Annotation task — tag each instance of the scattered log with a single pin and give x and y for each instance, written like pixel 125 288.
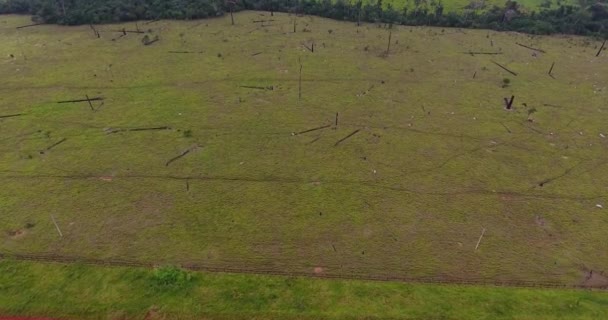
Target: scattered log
pixel 151 41
pixel 259 88
pixel 601 48
pixel 478 52
pixel 185 52
pixel 348 136
pixel 336 119
pixel 152 21
pixel 30 25
pixel 82 100
pixel 527 47
pixel 474 74
pixel 551 105
pixel 124 31
pixel 53 145
pixel 178 157
pixel 138 129
pixel 311 130
pixel 262 21
pixel 314 140
pixel 503 67
pixel 506 128
pixel 255 54
pixel 11 115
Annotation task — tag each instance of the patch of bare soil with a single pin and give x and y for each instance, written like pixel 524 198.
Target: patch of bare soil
pixel 16 234
pixel 540 221
pixel 594 279
pixel 153 314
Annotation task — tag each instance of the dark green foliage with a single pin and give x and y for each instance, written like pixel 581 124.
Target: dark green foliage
pixel 171 278
pixel 589 18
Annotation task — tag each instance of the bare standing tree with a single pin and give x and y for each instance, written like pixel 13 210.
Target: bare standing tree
pixel 63 7
pixel 231 4
pixel 388 48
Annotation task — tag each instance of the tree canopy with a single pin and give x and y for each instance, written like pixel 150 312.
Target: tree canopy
pixel 590 17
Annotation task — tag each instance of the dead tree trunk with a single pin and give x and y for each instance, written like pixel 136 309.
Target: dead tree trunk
pixel 551 69
pixel 509 102
pixel 300 81
pixel 294 25
pixel 95 32
pixel 388 48
pixel 601 48
pixel 231 15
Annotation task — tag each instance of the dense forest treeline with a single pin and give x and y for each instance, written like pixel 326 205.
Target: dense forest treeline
pixel 590 17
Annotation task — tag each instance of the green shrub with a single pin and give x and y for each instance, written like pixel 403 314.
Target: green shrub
pixel 171 278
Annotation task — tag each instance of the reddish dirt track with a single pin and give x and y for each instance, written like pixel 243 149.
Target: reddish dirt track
pixel 24 318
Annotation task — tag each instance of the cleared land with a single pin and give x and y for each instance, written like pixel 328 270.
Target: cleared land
pixel 435 159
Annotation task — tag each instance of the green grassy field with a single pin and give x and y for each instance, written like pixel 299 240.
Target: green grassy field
pixel 81 292
pixel 436 159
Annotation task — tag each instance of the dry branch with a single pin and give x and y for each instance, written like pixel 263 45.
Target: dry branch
pixel 487 53
pixel 148 22
pixel 82 100
pixel 53 145
pixel 601 48
pixel 179 156
pixel 259 88
pixel 139 129
pixel 11 115
pixel 123 31
pixel 30 25
pixel 185 52
pixel 348 136
pixel 504 68
pixel 313 129
pixel 525 46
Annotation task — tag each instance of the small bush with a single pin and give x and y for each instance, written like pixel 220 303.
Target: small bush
pixel 170 278
pixel 506 82
pixel 188 133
